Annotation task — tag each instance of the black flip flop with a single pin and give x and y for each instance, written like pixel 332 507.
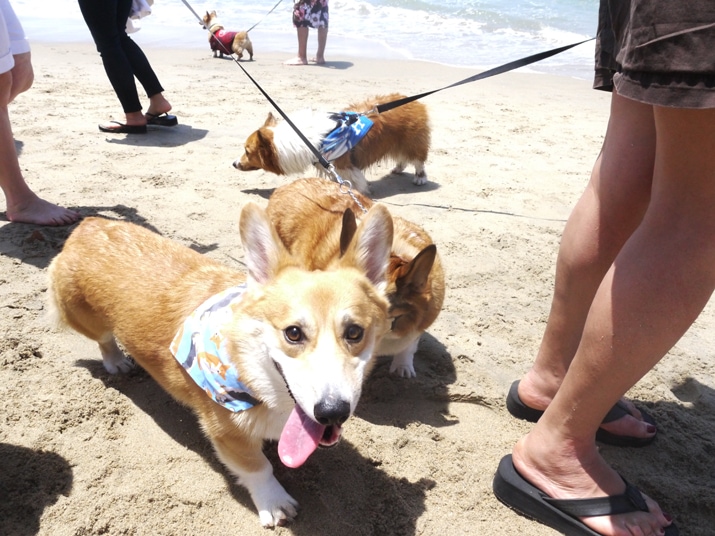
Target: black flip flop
pixel 162 120
pixel 123 128
pixel 521 411
pixel 562 514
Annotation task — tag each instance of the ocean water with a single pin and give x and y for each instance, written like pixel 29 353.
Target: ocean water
pixel 479 34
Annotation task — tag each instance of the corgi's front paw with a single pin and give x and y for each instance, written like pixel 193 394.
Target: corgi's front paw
pixel 403 366
pixel 275 506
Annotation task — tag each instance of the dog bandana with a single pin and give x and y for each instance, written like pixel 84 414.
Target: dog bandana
pixel 222 37
pixel 200 347
pixel 351 128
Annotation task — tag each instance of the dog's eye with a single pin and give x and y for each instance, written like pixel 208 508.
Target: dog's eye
pixel 293 334
pixel 354 333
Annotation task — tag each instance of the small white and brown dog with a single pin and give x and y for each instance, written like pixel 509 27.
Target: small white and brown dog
pixel 310 218
pixel 223 42
pixel 279 354
pixel 401 134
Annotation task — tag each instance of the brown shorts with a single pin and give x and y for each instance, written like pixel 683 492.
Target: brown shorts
pixel 659 52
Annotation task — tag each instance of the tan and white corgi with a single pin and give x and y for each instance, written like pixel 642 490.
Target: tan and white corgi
pixel 309 216
pixel 222 41
pixel 401 135
pixel 278 354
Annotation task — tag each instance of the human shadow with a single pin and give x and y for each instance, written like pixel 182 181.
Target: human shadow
pixel 157 136
pixel 677 469
pixel 30 480
pixel 37 245
pixel 337 480
pixel 337 65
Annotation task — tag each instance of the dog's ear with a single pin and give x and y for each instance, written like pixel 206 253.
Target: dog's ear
pixel 263 249
pixel 270 120
pixel 369 251
pixel 348 230
pixel 416 272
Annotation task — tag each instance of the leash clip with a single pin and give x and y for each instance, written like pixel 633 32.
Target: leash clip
pixel 346 187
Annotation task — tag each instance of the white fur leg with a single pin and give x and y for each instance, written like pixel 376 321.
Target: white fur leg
pixel 403 362
pixel 275 506
pixel 399 168
pixel 420 175
pixel 356 178
pixel 113 358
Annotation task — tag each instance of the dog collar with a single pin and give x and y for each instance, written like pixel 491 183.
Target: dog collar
pixel 200 347
pixel 351 128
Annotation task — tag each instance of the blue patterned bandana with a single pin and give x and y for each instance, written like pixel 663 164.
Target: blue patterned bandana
pixel 200 347
pixel 351 128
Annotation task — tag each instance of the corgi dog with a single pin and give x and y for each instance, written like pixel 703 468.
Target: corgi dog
pixel 280 353
pixel 223 42
pixel 315 220
pixel 401 134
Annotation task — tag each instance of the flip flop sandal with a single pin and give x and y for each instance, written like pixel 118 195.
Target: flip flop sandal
pixel 122 128
pixel 521 411
pixel 162 120
pixel 562 514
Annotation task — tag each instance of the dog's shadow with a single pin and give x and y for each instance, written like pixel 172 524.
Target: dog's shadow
pixel 30 480
pixel 393 401
pixel 336 488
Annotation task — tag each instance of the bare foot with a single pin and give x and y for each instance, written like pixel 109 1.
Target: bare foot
pixel 318 61
pixel 41 212
pixel 296 61
pixel 563 469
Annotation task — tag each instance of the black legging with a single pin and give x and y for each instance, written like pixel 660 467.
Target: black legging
pixel 122 57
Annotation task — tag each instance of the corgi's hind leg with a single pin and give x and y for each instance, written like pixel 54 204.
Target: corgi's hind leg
pixel 399 168
pixel 247 462
pixel 420 174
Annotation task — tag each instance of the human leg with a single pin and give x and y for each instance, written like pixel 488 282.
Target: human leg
pixel 607 213
pixel 102 21
pixel 302 58
pixel 16 75
pixel 322 40
pixel 656 287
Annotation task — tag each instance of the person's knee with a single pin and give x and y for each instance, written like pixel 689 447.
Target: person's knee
pixel 23 75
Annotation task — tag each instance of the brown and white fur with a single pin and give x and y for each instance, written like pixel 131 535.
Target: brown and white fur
pixel 302 341
pixel 240 42
pixel 401 135
pixel 308 215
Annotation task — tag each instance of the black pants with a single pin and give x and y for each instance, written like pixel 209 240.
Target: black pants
pixel 122 57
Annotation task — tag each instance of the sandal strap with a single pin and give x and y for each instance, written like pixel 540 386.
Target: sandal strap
pixel 618 411
pixel 630 501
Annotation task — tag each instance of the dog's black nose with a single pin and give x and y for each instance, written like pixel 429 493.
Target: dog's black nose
pixel 330 411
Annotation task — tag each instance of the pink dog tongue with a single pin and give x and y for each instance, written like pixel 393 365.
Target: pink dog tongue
pixel 300 437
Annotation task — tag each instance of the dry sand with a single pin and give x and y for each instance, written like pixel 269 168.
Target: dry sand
pixel 83 452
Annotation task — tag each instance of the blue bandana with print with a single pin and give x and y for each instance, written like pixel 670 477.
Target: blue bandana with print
pixel 351 128
pixel 200 347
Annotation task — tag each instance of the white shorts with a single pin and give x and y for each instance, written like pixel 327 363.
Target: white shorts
pixel 12 37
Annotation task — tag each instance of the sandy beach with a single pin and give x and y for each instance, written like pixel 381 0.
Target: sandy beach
pixel 85 453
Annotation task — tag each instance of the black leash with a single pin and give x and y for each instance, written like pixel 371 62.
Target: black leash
pixel 486 74
pixel 381 108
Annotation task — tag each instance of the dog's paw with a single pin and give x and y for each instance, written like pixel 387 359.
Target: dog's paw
pixel 123 365
pixel 403 367
pixel 399 168
pixel 420 179
pixel 275 506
